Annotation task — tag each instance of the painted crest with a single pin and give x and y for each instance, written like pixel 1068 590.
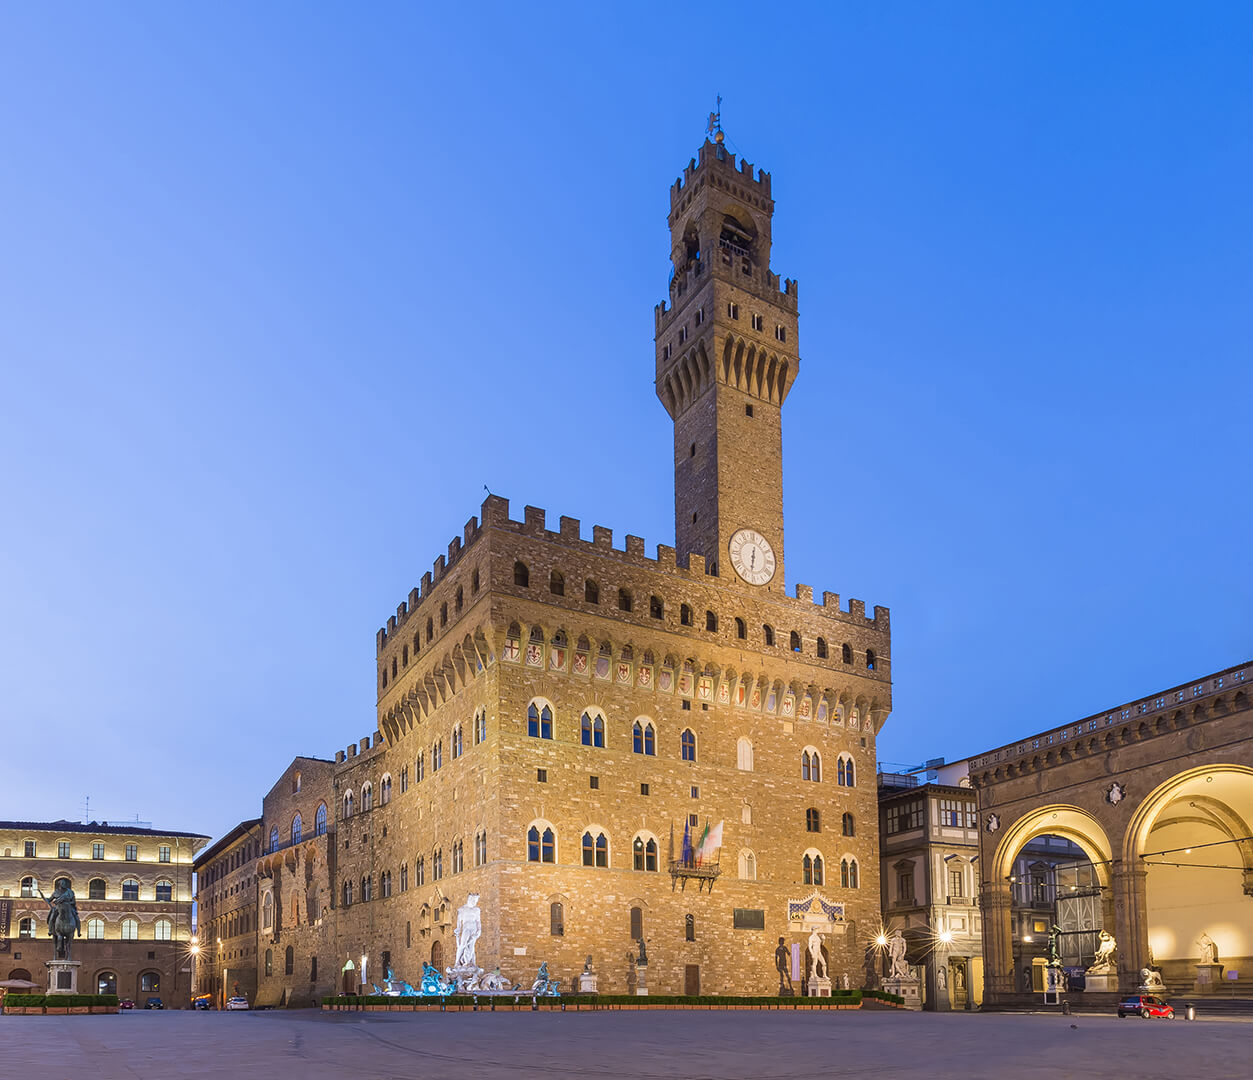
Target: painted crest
pixel 993 822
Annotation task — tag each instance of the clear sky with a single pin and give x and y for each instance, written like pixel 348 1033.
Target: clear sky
pixel 283 286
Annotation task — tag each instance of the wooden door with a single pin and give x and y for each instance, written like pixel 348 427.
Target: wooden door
pixel 691 980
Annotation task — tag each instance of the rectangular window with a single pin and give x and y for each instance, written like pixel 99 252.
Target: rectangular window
pixel 132 852
pixel 541 775
pixel 97 851
pixel 163 853
pixel 165 891
pixel 905 885
pixel 682 334
pixel 780 332
pixel 955 886
pixel 733 310
pixel 643 789
pixel 749 919
pixel 63 849
pixel 957 814
pixel 700 316
pixel 594 782
pixel 758 322
pixel 693 820
pixel 30 849
pixel 695 792
pixel 901 817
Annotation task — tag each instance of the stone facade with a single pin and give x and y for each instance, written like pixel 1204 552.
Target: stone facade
pixel 226 912
pixel 554 712
pixel 1158 793
pixel 133 888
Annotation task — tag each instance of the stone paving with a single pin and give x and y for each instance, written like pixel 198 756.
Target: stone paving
pixel 311 1045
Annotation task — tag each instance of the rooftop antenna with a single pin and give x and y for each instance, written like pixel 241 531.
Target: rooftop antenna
pixel 714 127
pixel 86 809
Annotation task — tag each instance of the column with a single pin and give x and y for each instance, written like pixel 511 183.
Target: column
pixel 995 901
pixel 1131 921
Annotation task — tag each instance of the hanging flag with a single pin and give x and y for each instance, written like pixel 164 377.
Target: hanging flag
pixel 686 857
pixel 713 842
pixel 700 848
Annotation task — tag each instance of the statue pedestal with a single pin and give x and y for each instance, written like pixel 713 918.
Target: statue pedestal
pixel 463 976
pixel 587 982
pixel 641 980
pixel 1101 982
pixel 906 988
pixel 62 976
pixel 819 987
pixel 1208 978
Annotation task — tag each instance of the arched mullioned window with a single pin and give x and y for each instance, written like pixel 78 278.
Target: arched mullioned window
pixel 347 804
pixel 557 583
pixel 811 765
pixel 274 838
pixel 295 829
pixel 644 852
pixel 95 889
pixel 521 575
pixel 556 919
pixel 319 820
pixel 848 826
pixel 822 648
pixel 592 729
pixel 747 865
pixel 367 796
pixel 643 738
pixel 846 653
pixel 267 912
pixel 687 743
pixel 541 843
pixel 811 869
pixel 591 591
pixel 595 848
pixel 767 633
pixel 385 789
pixel 539 720
pixel 848 873
pixel 844 773
pixel 744 753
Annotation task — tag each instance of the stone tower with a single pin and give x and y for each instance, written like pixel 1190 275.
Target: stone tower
pixel 726 358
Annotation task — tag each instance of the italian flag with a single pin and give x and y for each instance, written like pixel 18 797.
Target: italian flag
pixel 710 843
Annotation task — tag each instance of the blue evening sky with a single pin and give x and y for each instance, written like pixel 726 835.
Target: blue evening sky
pixel 284 285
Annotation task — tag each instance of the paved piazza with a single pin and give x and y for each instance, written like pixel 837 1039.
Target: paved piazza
pixel 311 1045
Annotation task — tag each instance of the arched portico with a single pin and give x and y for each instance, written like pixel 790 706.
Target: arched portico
pixel 1191 842
pixel 1071 822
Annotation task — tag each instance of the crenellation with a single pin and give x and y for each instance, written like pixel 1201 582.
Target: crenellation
pixel 427 584
pixel 535 520
pixel 569 528
pixel 415 598
pixel 635 546
pixel 602 537
pixel 805 593
pixel 454 549
pixel 831 600
pixel 339 756
pixel 665 557
pixel 882 618
pixel 857 608
pixel 438 571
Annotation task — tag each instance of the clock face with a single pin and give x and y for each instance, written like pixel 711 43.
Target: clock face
pixel 752 556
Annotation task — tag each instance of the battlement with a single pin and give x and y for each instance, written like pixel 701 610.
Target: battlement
pixel 782 292
pixel 457 547
pixel 362 748
pixel 717 156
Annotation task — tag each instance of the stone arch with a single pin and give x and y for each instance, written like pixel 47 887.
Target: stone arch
pixel 1071 822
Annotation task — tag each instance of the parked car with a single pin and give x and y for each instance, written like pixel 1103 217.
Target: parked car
pixel 237 1003
pixel 1146 1005
pixel 126 1003
pixel 154 1003
pixel 202 1001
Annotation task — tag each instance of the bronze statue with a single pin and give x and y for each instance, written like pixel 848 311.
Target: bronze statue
pixel 782 961
pixel 63 922
pixel 643 956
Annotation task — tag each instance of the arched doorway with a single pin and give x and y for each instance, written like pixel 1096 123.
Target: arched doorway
pixel 20 973
pixel 106 982
pixel 437 955
pixel 1190 843
pixel 1052 867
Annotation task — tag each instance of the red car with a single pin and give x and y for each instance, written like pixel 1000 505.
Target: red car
pixel 1146 1005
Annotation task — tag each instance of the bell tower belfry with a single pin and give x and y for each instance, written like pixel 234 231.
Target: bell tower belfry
pixel 726 359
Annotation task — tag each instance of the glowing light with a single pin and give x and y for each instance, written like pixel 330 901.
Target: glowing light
pixel 1027 938
pixel 946 937
pixel 881 939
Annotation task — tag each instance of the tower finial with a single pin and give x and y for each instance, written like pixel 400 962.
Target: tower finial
pixel 714 127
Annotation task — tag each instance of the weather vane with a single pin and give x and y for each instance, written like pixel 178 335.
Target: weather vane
pixel 714 127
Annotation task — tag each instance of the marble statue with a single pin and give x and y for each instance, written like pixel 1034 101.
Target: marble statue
pixel 1151 980
pixel 587 965
pixel 844 980
pixel 496 982
pixel 941 976
pixel 63 921
pixel 783 962
pixel 1208 950
pixel 1103 962
pixel 469 929
pixel 896 953
pixel 433 982
pixel 818 968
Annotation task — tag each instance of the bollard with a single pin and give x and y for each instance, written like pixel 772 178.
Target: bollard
pixel 1191 1011
pixel 1065 1008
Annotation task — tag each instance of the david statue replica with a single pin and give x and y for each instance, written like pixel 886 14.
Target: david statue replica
pixel 63 922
